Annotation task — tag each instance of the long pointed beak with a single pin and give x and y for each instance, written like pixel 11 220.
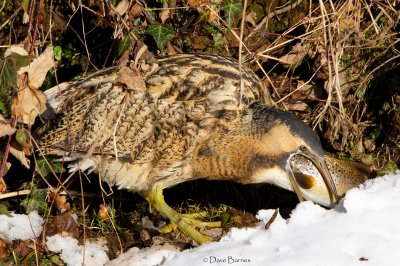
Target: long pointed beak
pixel 292 180
pixel 323 169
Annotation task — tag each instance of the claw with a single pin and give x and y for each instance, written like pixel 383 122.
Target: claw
pixel 186 224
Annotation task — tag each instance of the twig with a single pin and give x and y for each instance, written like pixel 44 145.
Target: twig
pixel 240 51
pixel 84 36
pixel 301 86
pixel 11 18
pixel 36 29
pixel 4 4
pixel 15 194
pixel 273 14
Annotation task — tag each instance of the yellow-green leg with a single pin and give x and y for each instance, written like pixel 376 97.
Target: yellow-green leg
pixel 156 199
pixel 191 219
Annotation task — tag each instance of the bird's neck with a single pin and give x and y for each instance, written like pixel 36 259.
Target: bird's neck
pixel 227 158
pixel 236 157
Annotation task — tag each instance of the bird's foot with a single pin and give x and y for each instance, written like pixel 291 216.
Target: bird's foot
pixel 191 219
pixel 185 224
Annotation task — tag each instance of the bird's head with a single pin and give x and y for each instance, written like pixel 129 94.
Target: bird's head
pixel 282 136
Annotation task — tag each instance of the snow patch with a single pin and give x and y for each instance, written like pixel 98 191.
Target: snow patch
pixel 74 254
pixel 20 226
pixel 362 230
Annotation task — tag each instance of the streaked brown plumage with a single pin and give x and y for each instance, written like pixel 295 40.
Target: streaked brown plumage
pixel 191 121
pixel 156 129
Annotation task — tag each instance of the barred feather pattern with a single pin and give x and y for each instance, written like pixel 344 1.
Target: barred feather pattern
pixel 138 138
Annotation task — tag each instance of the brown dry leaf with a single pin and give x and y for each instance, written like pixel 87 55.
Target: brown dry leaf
pixel 144 235
pixel 170 49
pixel 64 224
pixel 38 68
pixel 29 101
pixel 252 18
pixel 122 7
pixel 15 49
pixel 3 249
pixel 28 104
pixel 5 127
pixel 3 186
pixel 299 51
pixel 164 15
pixel 61 202
pixel 195 3
pixel 304 91
pixel 298 106
pixel 104 212
pixel 19 153
pixel 135 11
pixel 131 78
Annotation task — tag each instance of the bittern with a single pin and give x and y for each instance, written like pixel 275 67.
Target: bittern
pixel 197 117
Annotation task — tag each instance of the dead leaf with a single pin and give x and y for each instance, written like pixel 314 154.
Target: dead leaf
pixel 104 212
pixel 3 249
pixel 170 49
pixel 307 90
pixel 164 15
pixel 5 127
pixel 296 55
pixel 28 104
pixel 64 224
pixel 144 235
pixel 19 153
pixel 29 101
pixel 122 7
pixel 37 70
pixel 136 11
pixel 15 49
pixel 131 78
pixel 298 106
pixel 252 18
pixel 195 3
pixel 61 202
pixel 3 186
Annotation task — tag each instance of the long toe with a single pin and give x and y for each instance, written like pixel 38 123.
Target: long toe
pixel 184 224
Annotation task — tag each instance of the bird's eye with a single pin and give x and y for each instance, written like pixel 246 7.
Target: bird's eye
pixel 303 148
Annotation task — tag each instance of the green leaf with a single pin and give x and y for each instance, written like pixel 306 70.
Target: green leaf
pixel 225 219
pixel 124 44
pixel 218 37
pixel 58 53
pixel 219 40
pixel 4 210
pixel 21 138
pixel 162 33
pixel 44 169
pixel 36 201
pixel 9 68
pixel 4 110
pixel 231 8
pixel 8 79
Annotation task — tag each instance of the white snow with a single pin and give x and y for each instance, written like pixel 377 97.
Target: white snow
pixel 363 229
pixel 20 226
pixel 72 253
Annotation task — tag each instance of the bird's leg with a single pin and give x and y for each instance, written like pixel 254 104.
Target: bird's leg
pixel 156 199
pixel 191 218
